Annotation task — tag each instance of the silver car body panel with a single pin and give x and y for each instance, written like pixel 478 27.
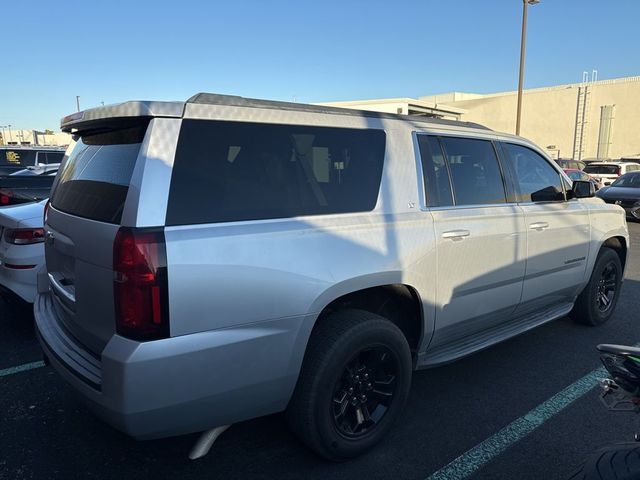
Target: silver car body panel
pixel 244 296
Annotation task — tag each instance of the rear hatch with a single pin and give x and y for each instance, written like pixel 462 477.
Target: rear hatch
pixel 603 172
pixel 84 216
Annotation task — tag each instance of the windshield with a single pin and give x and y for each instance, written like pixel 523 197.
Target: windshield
pixel 630 180
pixel 577 176
pixel 603 169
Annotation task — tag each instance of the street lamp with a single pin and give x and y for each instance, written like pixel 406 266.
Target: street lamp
pixel 525 4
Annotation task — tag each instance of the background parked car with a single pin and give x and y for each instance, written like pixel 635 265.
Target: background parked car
pixel 570 164
pixel 625 191
pixel 16 158
pixel 609 171
pixel 21 249
pixel 574 174
pixel 27 185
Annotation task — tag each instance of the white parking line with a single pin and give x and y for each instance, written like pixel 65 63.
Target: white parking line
pixel 21 368
pixel 472 460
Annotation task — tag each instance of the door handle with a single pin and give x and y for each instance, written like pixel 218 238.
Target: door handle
pixel 539 226
pixel 454 234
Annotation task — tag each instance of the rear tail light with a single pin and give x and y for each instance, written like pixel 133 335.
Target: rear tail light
pixel 5 196
pixel 140 284
pixel 24 236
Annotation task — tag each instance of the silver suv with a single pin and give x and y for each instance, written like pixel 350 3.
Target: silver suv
pixel 220 259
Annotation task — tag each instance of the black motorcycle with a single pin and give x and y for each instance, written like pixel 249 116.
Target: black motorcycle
pixel 620 393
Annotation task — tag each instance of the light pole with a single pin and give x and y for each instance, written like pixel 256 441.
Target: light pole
pixel 78 102
pixel 525 5
pixel 9 130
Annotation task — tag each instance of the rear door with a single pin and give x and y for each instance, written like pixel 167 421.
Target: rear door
pixel 558 231
pixel 87 202
pixel 480 236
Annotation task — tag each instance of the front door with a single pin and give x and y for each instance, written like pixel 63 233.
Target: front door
pixel 557 232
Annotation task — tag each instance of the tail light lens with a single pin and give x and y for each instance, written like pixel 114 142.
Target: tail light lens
pixel 140 284
pixel 5 196
pixel 24 236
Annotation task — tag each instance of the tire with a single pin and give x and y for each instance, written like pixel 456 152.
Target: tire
pixel 588 307
pixel 616 462
pixel 340 351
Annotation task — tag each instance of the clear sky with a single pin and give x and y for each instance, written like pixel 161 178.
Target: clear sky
pixel 327 50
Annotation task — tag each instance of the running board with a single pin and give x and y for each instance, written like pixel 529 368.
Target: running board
pixel 480 340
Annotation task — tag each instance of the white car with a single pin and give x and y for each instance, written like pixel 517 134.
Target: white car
pixel 21 249
pixel 608 172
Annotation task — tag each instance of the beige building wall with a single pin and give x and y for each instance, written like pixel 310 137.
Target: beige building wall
pixel 549 115
pixel 33 137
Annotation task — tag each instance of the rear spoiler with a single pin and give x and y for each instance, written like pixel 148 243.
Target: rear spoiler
pixel 80 120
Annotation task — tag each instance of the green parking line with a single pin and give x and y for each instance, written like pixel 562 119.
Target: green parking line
pixel 471 461
pixel 21 368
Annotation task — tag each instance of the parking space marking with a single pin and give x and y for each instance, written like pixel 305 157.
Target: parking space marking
pixel 472 460
pixel 21 368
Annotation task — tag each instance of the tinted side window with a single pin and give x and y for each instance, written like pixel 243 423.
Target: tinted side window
pixel 475 172
pixel 46 158
pixel 436 174
pixel 537 181
pixel 232 171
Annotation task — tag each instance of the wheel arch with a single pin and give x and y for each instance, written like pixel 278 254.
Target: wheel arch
pixel 384 294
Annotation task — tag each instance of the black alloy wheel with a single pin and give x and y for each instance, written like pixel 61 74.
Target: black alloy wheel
pixel 365 391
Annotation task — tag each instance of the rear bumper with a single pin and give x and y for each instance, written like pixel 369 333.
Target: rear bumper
pixel 180 384
pixel 21 282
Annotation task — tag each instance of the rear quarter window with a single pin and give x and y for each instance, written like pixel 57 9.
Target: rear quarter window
pixel 94 180
pixel 234 171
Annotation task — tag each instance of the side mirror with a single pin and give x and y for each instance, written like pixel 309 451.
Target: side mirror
pixel 583 189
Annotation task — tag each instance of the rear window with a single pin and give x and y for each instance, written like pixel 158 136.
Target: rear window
pixel 17 157
pixel 232 171
pixel 603 169
pixel 94 181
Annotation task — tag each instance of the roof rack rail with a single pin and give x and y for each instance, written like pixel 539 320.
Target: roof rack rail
pixel 236 101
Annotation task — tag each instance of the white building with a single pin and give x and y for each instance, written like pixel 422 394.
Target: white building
pixel 14 136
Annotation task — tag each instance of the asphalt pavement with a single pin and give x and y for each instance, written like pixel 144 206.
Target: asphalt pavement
pixel 46 432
